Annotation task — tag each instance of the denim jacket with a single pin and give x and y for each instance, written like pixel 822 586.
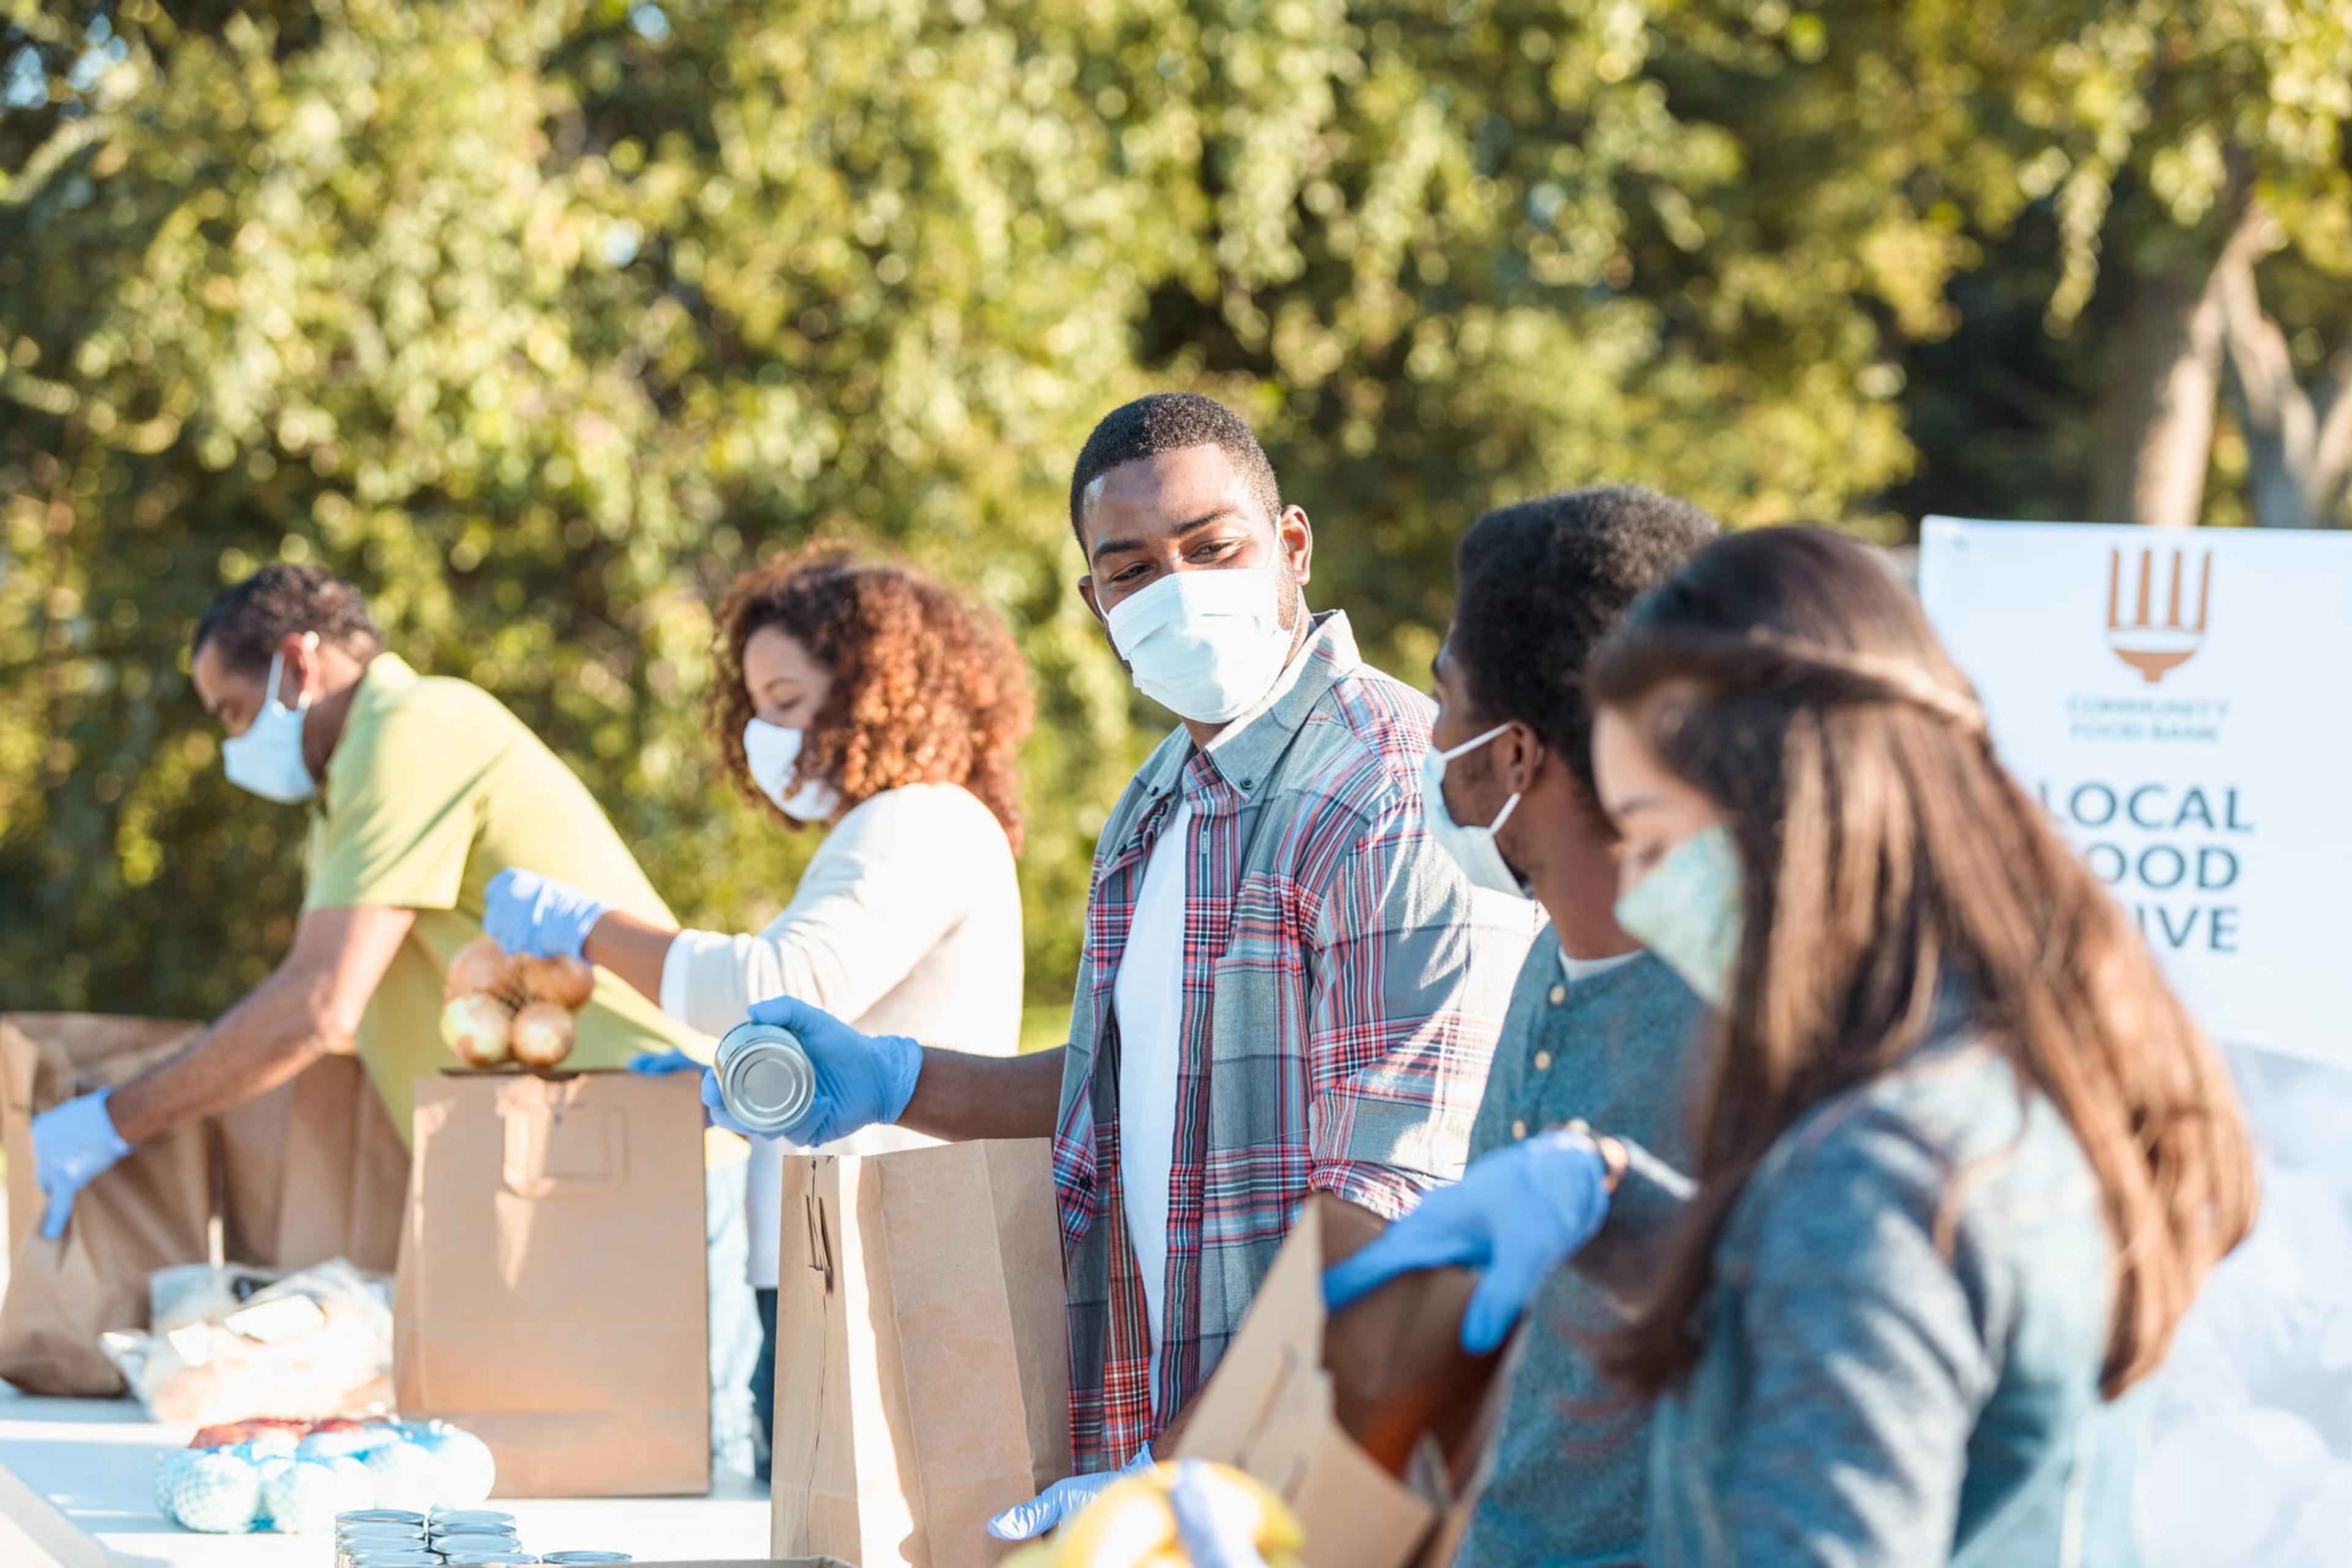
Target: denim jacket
pixel 1908 1315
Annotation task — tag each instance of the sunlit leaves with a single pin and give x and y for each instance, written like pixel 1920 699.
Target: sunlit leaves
pixel 541 318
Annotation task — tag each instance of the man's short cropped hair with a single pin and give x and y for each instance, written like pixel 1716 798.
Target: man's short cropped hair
pixel 245 624
pixel 1542 583
pixel 1170 422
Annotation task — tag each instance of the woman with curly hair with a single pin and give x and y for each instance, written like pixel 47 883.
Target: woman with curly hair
pixel 868 701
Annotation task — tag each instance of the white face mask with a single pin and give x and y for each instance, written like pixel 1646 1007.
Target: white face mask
pixel 266 760
pixel 1473 848
pixel 1206 643
pixel 771 749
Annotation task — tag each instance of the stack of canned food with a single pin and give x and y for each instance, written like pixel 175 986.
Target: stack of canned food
pixel 461 1537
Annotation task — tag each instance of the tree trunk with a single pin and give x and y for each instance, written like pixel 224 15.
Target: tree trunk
pixel 2159 424
pixel 2298 440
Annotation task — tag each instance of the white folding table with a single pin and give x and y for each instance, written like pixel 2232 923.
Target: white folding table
pixel 78 1490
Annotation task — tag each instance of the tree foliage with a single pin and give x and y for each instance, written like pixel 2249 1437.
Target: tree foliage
pixel 541 318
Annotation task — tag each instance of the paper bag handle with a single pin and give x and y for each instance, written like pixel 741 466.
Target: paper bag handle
pixel 555 1152
pixel 820 1238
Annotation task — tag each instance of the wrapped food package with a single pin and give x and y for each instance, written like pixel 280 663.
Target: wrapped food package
pixel 230 1344
pixel 302 1478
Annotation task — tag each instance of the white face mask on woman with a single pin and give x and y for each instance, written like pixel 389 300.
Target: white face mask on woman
pixel 1204 644
pixel 771 751
pixel 266 760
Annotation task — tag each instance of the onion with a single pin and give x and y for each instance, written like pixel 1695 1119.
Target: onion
pixel 480 965
pixel 542 1036
pixel 477 1028
pixel 566 982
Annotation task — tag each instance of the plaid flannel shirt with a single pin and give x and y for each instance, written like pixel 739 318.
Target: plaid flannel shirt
pixel 1343 986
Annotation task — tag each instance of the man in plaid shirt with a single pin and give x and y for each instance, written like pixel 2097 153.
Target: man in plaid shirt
pixel 1288 987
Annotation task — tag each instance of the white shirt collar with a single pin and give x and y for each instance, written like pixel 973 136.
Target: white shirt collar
pixel 1582 969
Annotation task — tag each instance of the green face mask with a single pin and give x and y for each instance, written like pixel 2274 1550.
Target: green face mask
pixel 1687 911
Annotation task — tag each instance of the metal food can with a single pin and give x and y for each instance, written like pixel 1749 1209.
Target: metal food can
pixel 476 1540
pixel 764 1077
pixel 379 1516
pixel 587 1557
pixel 452 1517
pixel 348 1548
pixel 486 1559
pixel 376 1557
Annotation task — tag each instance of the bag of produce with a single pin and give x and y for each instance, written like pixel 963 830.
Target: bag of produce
pixel 231 1344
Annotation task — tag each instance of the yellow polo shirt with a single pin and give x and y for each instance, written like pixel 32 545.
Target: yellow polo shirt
pixel 433 789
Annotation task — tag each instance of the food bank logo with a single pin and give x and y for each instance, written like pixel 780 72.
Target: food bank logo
pixel 2147 622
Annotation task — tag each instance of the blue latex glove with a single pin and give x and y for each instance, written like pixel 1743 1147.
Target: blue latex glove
pixel 1213 1526
pixel 527 913
pixel 1516 1214
pixel 72 1143
pixel 660 1064
pixel 861 1080
pixel 1062 1501
pixel 714 1108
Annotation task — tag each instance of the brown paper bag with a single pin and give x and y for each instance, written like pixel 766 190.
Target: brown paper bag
pixel 152 1209
pixel 551 1295
pixel 313 1169
pixel 1374 1425
pixel 922 1356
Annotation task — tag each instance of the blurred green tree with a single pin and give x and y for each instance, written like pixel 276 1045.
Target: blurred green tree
pixel 541 318
pixel 2160 328
pixel 515 315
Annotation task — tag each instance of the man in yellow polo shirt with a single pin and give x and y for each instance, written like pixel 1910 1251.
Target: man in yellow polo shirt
pixel 425 789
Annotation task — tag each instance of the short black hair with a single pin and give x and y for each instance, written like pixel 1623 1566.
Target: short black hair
pixel 1170 422
pixel 1542 583
pixel 248 621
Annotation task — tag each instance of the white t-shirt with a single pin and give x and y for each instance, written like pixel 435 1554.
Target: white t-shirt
pixel 1578 969
pixel 907 921
pixel 1148 999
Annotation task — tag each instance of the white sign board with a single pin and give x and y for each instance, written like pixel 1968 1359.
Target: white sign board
pixel 2182 703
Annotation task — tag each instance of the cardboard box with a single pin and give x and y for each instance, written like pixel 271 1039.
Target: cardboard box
pixel 1374 1425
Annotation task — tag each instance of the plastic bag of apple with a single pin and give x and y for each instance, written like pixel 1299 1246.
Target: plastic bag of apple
pixel 295 1476
pixel 498 1008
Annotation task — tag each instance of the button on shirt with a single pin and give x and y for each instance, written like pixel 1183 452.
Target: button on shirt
pixel 1342 986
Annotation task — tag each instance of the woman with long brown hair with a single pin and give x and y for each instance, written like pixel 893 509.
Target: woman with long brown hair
pixel 868 701
pixel 1963 1158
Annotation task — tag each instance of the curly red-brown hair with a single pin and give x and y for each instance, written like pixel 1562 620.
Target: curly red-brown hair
pixel 927 687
